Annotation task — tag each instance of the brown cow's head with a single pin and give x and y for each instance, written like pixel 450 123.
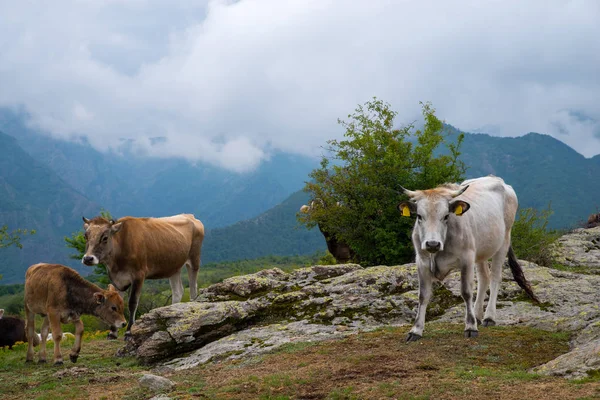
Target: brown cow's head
pixel 98 239
pixel 433 209
pixel 109 307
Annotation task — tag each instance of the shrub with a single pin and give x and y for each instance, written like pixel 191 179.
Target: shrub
pixel 531 238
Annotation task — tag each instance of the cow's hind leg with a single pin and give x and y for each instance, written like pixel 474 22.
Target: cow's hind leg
pixel 466 290
pixel 30 332
pixel 483 282
pixel 77 346
pixel 425 290
pixel 176 287
pixel 496 279
pixel 193 266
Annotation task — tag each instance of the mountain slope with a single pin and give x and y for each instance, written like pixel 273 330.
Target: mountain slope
pixel 275 232
pixel 127 184
pixel 33 197
pixel 542 170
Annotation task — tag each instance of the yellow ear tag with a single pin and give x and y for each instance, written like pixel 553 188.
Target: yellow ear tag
pixel 405 211
pixel 458 210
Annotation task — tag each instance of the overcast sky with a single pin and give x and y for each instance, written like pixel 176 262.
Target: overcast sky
pixel 229 82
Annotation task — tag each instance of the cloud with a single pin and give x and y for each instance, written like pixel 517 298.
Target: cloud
pixel 228 82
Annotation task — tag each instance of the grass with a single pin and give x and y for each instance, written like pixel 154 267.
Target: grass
pixel 374 365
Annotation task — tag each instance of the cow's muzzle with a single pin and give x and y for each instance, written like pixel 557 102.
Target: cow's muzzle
pixel 433 246
pixel 89 260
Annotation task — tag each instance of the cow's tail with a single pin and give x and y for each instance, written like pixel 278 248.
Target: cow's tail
pixel 517 272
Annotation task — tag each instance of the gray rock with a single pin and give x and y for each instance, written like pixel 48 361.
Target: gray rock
pixel 260 340
pixel 575 364
pixel 580 248
pixel 167 331
pixel 156 383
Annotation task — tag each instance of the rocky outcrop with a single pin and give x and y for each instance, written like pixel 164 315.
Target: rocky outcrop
pixel 347 295
pixel 580 248
pixel 252 314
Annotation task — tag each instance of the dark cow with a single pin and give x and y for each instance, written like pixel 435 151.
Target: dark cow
pixel 12 330
pixel 61 295
pixel 593 221
pixel 136 249
pixel 339 250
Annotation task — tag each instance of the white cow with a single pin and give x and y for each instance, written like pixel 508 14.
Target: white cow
pixel 1 312
pixel 447 237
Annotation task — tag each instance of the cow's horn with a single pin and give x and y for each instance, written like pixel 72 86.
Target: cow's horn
pixel 459 192
pixel 409 193
pixel 87 221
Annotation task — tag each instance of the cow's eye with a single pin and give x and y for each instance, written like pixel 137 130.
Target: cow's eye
pixel 104 239
pixel 446 217
pixel 114 308
pixel 419 217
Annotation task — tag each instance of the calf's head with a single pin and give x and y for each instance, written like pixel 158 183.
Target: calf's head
pixel 109 307
pixel 98 239
pixel 433 209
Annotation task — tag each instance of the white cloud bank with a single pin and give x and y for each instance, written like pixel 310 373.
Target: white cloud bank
pixel 228 82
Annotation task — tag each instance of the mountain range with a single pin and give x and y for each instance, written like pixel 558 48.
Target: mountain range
pixel 48 184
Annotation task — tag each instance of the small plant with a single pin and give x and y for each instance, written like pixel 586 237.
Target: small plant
pixel 531 238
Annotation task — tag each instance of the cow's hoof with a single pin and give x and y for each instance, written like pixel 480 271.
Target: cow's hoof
pixel 413 337
pixel 42 362
pixel 73 358
pixel 57 363
pixel 489 322
pixel 470 333
pixel 112 336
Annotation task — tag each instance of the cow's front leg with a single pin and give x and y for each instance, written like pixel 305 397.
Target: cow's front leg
pixel 425 285
pixel 134 298
pixel 466 290
pixel 77 345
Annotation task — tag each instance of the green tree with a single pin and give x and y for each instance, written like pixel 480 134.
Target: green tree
pixel 363 176
pixel 77 243
pixel 13 238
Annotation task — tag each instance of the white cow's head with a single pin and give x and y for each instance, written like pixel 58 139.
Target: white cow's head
pixel 433 209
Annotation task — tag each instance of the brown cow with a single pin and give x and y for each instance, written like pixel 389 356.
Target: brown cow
pixel 339 250
pixel 61 295
pixel 135 249
pixel 593 221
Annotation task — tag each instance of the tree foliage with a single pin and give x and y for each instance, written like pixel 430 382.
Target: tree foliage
pixel 13 238
pixel 364 174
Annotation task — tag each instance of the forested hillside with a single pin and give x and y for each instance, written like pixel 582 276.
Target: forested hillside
pixel 34 197
pixel 275 232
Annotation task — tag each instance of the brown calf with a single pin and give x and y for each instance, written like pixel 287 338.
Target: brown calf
pixel 136 249
pixel 61 295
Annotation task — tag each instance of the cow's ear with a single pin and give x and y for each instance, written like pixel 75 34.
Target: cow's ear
pixel 111 288
pixel 116 227
pixel 459 207
pixel 86 223
pixel 406 208
pixel 99 297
